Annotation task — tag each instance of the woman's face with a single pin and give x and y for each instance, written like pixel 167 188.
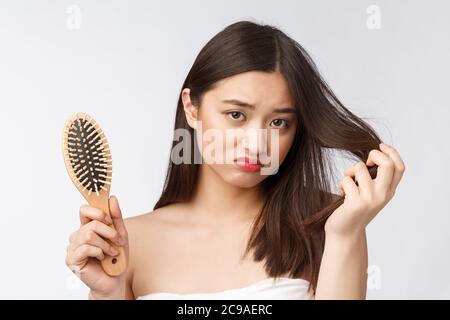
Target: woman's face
pixel 230 122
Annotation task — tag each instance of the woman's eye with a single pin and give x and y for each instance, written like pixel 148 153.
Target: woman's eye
pixel 235 115
pixel 280 123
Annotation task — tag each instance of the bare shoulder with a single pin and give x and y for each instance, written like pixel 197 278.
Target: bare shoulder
pixel 150 235
pixel 167 216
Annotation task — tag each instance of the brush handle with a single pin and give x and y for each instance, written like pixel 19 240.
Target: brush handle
pixel 112 265
pixel 115 266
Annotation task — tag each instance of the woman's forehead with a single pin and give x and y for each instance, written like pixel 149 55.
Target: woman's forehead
pixel 255 88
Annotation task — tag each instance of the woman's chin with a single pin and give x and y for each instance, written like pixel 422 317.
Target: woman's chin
pixel 244 179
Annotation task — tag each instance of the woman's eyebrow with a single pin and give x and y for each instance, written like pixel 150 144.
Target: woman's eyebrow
pixel 248 105
pixel 285 110
pixel 239 103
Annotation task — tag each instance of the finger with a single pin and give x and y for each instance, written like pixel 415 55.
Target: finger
pixel 91 238
pixel 85 251
pixel 399 165
pixel 362 176
pixel 116 214
pixel 385 169
pixel 102 230
pixel 349 188
pixel 89 213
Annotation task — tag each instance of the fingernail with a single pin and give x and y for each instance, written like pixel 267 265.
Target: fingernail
pixel 113 251
pixel 108 219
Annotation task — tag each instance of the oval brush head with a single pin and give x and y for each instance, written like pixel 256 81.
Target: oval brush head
pixel 89 163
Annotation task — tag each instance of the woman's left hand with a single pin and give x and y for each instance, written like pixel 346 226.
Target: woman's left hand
pixel 363 201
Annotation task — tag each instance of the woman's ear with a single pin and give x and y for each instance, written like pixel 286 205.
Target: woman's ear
pixel 190 110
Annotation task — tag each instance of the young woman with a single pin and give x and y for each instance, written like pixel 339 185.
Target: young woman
pixel 225 230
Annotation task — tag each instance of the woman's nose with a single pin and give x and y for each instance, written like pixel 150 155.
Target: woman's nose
pixel 255 140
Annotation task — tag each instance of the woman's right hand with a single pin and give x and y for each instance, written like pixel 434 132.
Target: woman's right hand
pixel 87 247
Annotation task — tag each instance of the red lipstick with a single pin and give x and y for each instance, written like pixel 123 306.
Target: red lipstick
pixel 244 163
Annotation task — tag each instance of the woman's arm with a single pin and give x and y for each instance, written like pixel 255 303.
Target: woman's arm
pixel 129 295
pixel 343 270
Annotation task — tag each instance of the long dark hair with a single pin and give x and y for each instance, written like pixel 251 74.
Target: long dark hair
pixel 288 234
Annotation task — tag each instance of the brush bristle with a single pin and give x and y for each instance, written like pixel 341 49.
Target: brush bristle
pixel 89 156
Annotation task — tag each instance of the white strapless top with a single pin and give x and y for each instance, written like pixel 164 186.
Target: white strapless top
pixel 267 289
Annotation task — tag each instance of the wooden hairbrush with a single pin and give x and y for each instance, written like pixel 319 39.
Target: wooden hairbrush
pixel 88 161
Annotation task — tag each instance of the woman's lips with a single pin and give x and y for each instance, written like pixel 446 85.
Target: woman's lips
pixel 244 163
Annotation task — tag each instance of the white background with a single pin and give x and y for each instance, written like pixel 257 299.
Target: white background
pixel 125 66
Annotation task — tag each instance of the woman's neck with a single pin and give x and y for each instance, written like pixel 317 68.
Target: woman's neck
pixel 216 201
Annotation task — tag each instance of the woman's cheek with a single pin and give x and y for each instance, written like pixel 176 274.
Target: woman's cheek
pixel 216 140
pixel 285 144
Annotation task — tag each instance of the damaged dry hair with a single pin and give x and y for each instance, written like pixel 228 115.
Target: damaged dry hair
pixel 288 234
